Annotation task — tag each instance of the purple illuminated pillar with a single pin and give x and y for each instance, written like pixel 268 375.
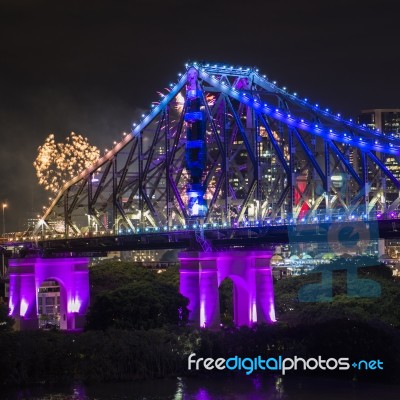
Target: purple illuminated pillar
pixel 22 300
pixel 253 298
pixel 235 266
pixel 26 277
pixel 209 294
pixel 81 292
pixel 264 289
pixel 199 283
pixel 73 277
pixel 190 283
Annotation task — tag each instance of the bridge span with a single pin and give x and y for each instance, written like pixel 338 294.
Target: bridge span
pixel 207 238
pixel 225 161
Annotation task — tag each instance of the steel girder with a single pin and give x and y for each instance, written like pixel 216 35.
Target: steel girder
pixel 269 155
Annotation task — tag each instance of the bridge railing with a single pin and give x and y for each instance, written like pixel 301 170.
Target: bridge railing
pixel 196 226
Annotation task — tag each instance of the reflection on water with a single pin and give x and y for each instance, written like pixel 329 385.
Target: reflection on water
pixel 249 388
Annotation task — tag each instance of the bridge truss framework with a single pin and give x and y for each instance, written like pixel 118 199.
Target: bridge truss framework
pixel 269 155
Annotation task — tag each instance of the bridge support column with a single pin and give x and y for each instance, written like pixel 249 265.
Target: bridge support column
pixel 28 274
pixel 190 283
pixel 199 283
pixel 251 273
pixel 22 297
pixel 264 290
pixel 209 295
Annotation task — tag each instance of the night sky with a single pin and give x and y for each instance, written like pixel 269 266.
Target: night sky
pixel 92 67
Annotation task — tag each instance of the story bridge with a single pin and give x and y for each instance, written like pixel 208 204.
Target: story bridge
pixel 225 145
pixel 226 160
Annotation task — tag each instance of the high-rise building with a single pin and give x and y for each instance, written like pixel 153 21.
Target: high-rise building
pixel 387 120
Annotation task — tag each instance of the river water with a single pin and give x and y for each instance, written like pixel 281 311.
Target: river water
pixel 254 388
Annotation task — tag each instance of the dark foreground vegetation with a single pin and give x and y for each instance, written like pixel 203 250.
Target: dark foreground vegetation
pixel 144 334
pixel 120 355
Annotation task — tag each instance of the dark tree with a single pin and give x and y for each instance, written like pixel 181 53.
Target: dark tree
pixel 140 305
pixel 110 275
pixel 383 308
pixel 226 302
pixel 6 322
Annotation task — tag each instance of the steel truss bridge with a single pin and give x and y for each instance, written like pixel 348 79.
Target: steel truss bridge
pixel 226 151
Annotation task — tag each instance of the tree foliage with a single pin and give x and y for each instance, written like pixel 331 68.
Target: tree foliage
pixel 6 322
pixel 383 309
pixel 110 275
pixel 226 302
pixel 141 305
pixel 128 296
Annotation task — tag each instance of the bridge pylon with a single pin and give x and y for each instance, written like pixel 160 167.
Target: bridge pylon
pixel 27 275
pixel 201 274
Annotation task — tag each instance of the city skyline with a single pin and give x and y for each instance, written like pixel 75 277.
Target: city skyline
pixel 95 70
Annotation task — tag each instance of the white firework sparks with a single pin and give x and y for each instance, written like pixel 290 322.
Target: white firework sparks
pixel 57 163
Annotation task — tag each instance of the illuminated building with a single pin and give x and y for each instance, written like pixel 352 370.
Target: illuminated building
pixel 49 304
pixel 387 121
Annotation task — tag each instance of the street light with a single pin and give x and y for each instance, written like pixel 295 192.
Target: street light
pixel 4 205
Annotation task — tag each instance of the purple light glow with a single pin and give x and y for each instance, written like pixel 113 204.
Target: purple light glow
pixel 202 273
pixel 74 305
pixel 253 313
pixel 272 313
pixel 202 314
pixel 11 306
pixel 26 277
pixel 23 308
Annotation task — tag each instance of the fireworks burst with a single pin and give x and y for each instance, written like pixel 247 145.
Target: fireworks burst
pixel 57 163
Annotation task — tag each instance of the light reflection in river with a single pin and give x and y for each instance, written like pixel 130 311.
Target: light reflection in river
pixel 257 387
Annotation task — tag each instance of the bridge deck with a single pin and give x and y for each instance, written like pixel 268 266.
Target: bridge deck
pixel 219 238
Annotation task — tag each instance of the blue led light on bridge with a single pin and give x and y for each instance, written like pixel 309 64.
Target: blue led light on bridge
pixel 196 150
